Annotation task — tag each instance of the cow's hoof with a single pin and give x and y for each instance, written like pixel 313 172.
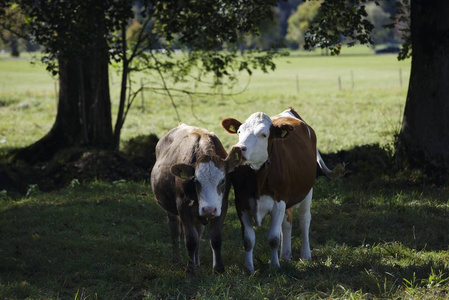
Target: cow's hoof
pixel 219 269
pixel 249 270
pixel 190 270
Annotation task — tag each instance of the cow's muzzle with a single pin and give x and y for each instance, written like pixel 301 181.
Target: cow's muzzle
pixel 209 211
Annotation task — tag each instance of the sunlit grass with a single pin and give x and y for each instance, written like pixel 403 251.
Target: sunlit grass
pixel 367 109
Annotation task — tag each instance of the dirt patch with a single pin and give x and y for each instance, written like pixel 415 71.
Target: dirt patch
pixel 82 164
pixel 371 161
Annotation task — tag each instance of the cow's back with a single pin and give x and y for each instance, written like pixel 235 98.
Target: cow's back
pixel 292 168
pixel 183 144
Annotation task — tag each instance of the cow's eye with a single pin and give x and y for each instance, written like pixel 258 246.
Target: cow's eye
pixel 263 135
pixel 221 182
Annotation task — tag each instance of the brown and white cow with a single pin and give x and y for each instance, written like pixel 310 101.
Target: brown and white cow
pixel 190 182
pixel 279 173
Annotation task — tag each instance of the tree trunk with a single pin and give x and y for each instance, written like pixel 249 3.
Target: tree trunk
pixel 84 107
pixel 125 72
pixel 424 138
pixel 14 46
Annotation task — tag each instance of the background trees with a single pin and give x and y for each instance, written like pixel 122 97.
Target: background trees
pixel 299 22
pixel 81 39
pixel 80 47
pixel 423 142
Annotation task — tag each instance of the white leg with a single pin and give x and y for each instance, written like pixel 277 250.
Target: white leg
pixel 286 235
pixel 304 218
pixel 274 235
pixel 249 240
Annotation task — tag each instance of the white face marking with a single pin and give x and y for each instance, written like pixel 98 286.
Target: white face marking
pixel 253 135
pixel 211 180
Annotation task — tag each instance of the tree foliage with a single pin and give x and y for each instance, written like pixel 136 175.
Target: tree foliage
pixel 12 27
pixel 83 37
pixel 300 21
pixel 340 18
pixel 401 21
pixel 379 18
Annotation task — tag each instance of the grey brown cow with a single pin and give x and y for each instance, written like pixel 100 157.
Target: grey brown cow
pixel 279 173
pixel 191 183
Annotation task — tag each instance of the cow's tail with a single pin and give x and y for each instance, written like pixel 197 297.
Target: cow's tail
pixel 338 171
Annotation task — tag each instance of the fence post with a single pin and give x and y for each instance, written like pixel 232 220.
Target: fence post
pixel 400 77
pixel 339 83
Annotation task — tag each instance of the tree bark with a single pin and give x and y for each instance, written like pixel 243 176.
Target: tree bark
pixel 84 107
pixel 423 142
pixel 123 89
pixel 14 46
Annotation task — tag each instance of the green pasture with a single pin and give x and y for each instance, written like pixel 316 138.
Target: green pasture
pixel 366 109
pixel 372 236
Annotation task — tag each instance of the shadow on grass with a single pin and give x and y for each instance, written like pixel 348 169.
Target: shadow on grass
pixel 368 234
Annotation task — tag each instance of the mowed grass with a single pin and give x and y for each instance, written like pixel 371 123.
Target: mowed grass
pixel 370 237
pixel 367 109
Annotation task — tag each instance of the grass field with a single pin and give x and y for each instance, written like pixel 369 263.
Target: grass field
pixel 371 236
pixel 366 110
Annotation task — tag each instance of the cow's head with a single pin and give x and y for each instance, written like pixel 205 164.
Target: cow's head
pixel 209 175
pixel 256 137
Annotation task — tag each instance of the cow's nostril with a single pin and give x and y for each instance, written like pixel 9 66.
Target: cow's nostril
pixel 209 211
pixel 243 148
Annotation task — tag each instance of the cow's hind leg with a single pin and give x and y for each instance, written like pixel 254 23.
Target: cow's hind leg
pixel 175 232
pixel 286 235
pixel 274 235
pixel 304 218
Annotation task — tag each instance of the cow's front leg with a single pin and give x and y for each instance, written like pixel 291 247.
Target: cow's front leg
pixel 274 235
pixel 249 239
pixel 175 232
pixel 191 240
pixel 216 226
pixel 191 237
pixel 199 229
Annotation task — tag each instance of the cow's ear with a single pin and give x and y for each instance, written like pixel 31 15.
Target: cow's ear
pixel 231 125
pixel 234 159
pixel 280 132
pixel 183 171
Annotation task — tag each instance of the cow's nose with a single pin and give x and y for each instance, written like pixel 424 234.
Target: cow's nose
pixel 209 211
